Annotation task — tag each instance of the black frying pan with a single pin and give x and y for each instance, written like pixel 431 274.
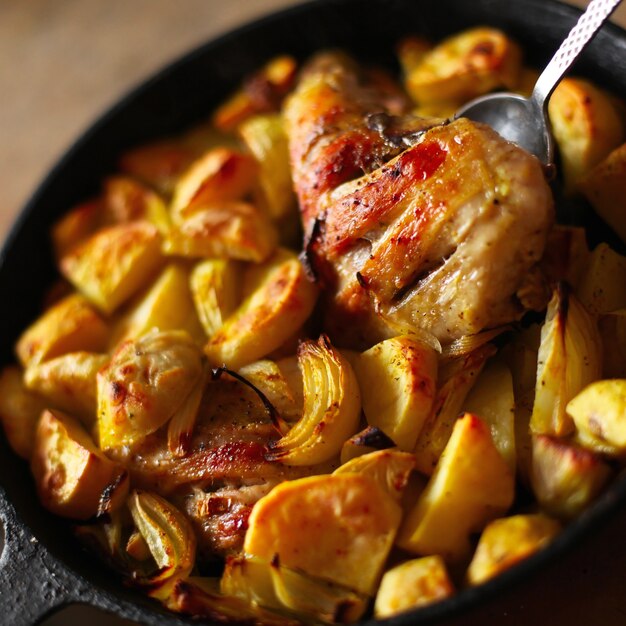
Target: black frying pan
pixel 42 566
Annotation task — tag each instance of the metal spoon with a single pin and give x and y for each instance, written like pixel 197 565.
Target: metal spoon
pixel 525 120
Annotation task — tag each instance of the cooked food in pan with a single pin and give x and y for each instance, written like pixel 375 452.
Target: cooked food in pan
pixel 331 354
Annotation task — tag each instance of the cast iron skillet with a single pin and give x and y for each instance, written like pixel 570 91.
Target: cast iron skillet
pixel 42 566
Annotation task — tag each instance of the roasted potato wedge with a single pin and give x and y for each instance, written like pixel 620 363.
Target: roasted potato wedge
pixel 220 175
pixel 265 138
pixel 412 584
pixel 158 164
pixel 261 93
pixel 332 407
pixel 127 200
pixel 78 224
pixel 599 413
pixel 68 383
pixel 20 409
pixel 471 485
pixel 71 325
pixel 73 477
pixel 398 379
pixel 569 359
pixel 464 66
pixel 306 523
pixel 565 478
pixel 602 286
pixel 166 305
pixel 585 125
pixel 215 288
pixel 114 264
pixel 229 230
pixel 146 382
pixel 507 541
pixel 280 299
pixel 492 399
pixel 605 187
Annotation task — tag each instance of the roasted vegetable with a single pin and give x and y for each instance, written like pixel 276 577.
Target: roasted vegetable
pixel 398 378
pixel 471 485
pixel 73 477
pixel 332 407
pixel 68 383
pixel 569 359
pixel 278 300
pixel 146 383
pixel 599 413
pixel 307 523
pixel 412 584
pixel 70 325
pixel 507 541
pixel 170 539
pixel 19 410
pixel 114 263
pixel 565 478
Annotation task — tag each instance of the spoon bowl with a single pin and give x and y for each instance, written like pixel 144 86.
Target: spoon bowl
pixel 525 120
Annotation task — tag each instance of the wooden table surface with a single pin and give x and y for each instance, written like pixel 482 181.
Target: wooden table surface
pixel 64 62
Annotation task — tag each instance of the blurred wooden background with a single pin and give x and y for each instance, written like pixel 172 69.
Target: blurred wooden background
pixel 64 62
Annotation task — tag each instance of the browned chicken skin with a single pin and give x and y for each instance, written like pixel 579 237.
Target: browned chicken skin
pixel 411 223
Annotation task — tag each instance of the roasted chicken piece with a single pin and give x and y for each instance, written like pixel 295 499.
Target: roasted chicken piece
pixel 225 472
pixel 411 222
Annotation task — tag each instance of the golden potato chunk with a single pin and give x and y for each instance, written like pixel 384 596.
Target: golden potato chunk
pixel 332 407
pixel 565 478
pixel 167 305
pixel 73 478
pixel 261 93
pixel 215 288
pixel 507 541
pixel 158 164
pixel 19 410
pixel 464 66
pixel 569 359
pixel 147 381
pixel 602 286
pixel 231 230
pixel 412 584
pixel 398 379
pixel 599 413
pixel 472 484
pixel 75 226
pixel 115 263
pixel 280 300
pixel 586 127
pixel 339 528
pixel 265 137
pixel 68 383
pixel 71 325
pixel 492 399
pixel 220 175
pixel 605 187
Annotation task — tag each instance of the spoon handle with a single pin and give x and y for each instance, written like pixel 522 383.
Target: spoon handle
pixel 597 12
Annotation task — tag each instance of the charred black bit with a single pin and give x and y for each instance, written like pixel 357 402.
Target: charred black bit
pixel 373 437
pixel 308 256
pixel 277 421
pixel 106 496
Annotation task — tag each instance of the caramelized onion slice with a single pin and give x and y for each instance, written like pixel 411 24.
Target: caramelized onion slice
pixel 169 536
pixel 332 407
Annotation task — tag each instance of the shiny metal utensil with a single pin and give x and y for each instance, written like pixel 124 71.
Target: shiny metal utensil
pixel 525 120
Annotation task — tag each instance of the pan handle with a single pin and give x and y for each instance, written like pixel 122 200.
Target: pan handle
pixel 33 583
